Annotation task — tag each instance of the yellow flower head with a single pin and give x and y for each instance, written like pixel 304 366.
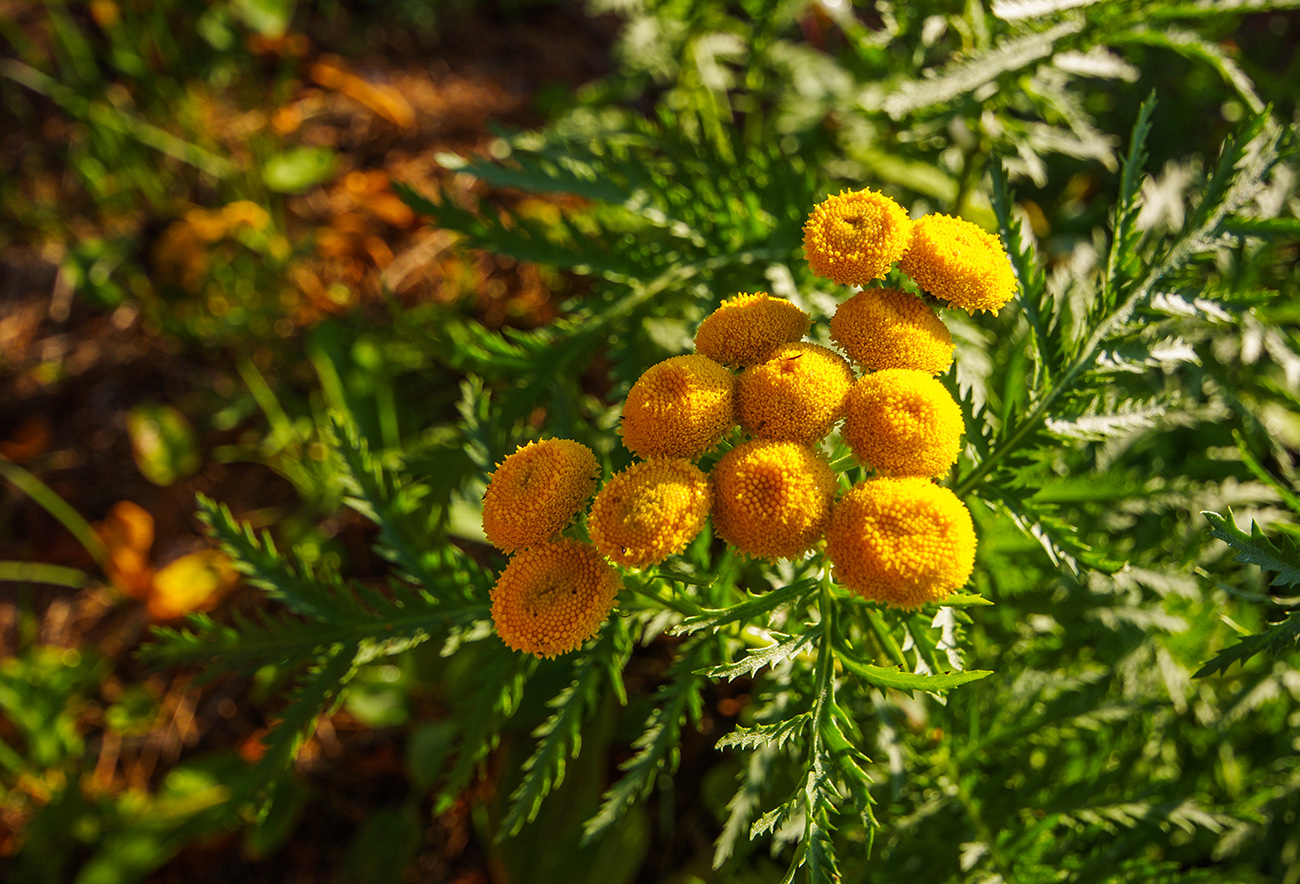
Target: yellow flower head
pixel 747 328
pixel 796 395
pixel 772 499
pixel 902 422
pixel 902 542
pixel 649 511
pixel 536 491
pixel 680 407
pixel 891 328
pixel 553 597
pixel 959 262
pixel 856 237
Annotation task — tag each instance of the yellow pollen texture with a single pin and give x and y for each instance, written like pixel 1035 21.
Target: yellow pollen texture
pixel 649 511
pixel 856 237
pixel 901 542
pixel 553 597
pixel 890 328
pixel 680 407
pixel 959 262
pixel 796 395
pixel 772 499
pixel 536 491
pixel 902 422
pixel 747 328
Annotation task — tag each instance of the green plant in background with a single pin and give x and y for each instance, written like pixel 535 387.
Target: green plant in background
pixel 1069 401
pixel 1150 349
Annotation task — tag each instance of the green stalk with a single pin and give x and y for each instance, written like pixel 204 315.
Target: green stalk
pixel 41 572
pixel 57 507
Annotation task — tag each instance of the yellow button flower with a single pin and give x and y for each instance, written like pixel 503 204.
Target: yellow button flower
pixel 680 407
pixel 901 542
pixel 649 511
pixel 891 328
pixel 856 237
pixel 902 422
pixel 959 262
pixel 536 491
pixel 553 597
pixel 796 395
pixel 747 328
pixel 772 499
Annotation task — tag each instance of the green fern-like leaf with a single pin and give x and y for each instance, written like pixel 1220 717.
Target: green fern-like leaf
pixel 1255 548
pixel 1277 639
pixel 657 747
pixel 559 737
pixel 964 77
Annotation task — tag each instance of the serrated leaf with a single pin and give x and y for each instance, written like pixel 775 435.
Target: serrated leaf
pixel 1277 639
pixel 900 680
pixel 757 659
pixel 1255 548
pixel 559 736
pixel 658 746
pixel 963 77
pixel 713 618
pixel 1097 427
pixel 774 734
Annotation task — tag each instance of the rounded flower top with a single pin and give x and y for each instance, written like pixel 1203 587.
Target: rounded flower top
pixel 856 237
pixel 553 597
pixel 891 328
pixel 796 395
pixel 772 499
pixel 901 542
pixel 649 511
pixel 536 491
pixel 902 422
pixel 747 328
pixel 680 407
pixel 959 262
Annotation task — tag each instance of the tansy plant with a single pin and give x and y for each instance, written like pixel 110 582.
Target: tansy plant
pixel 784 512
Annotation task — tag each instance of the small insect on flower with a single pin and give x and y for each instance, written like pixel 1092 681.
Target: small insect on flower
pixel 797 394
pixel 959 262
pixel 536 491
pixel 890 328
pixel 680 407
pixel 902 422
pixel 855 237
pixel 747 328
pixel 553 597
pixel 649 511
pixel 772 499
pixel 901 542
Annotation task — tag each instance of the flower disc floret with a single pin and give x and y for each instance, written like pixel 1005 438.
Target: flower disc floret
pixel 553 597
pixel 855 237
pixel 536 491
pixel 902 542
pixel 772 499
pixel 959 262
pixel 902 422
pixel 890 328
pixel 649 511
pixel 796 395
pixel 747 328
pixel 680 407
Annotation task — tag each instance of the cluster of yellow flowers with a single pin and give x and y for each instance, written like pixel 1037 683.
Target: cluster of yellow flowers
pixel 897 538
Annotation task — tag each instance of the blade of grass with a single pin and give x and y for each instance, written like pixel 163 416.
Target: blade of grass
pixel 57 507
pixel 41 572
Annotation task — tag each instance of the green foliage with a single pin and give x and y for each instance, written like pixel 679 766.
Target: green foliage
pixel 1100 412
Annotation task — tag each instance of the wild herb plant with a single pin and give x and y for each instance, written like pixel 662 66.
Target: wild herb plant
pixel 1063 397
pixel 1040 724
